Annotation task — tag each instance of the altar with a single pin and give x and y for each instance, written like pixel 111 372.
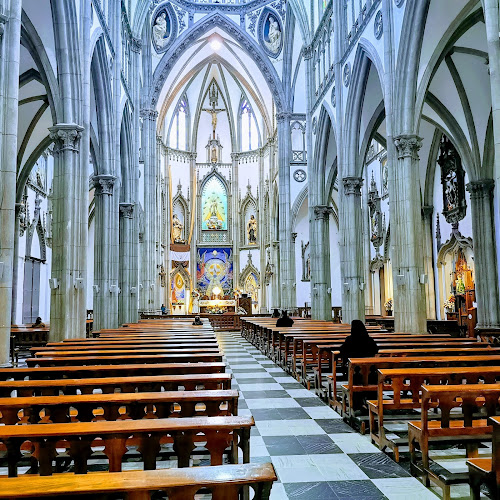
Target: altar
pixel 217 306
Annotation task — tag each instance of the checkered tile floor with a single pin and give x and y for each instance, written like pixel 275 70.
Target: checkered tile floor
pixel 316 455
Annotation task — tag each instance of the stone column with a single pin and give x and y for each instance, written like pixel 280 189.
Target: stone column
pixel 367 250
pixel 66 319
pixel 286 258
pixel 351 250
pixel 235 160
pixel 10 32
pixel 485 260
pixel 321 301
pixel 407 237
pixel 148 256
pixel 430 290
pixel 105 255
pixel 261 236
pixel 127 300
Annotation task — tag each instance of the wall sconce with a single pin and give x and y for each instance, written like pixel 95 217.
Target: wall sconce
pixel 400 279
pixel 347 287
pixel 315 291
pixel 1 269
pixel 53 283
pixel 79 283
pixel 95 288
pixel 141 286
pixel 133 290
pixel 152 286
pixel 362 286
pixel 329 290
pixel 114 289
pixel 424 279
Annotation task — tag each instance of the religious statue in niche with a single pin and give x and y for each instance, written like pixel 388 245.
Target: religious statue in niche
pixel 214 213
pixel 306 261
pixel 195 301
pixel 272 35
pixel 214 205
pixel 161 30
pixel 213 157
pixel 252 230
pixel 177 228
pixel 374 206
pixel 452 180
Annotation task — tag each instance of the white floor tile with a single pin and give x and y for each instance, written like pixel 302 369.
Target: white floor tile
pixel 300 393
pixel 321 412
pixel 405 488
pixel 354 443
pixel 252 375
pixel 259 404
pixel 278 492
pixel 337 467
pixel 261 387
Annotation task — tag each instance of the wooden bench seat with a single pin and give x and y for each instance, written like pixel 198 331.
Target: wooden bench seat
pixel 120 351
pixel 80 439
pixel 468 424
pixel 399 391
pixel 224 481
pixel 87 407
pixel 124 358
pixel 106 385
pixel 119 370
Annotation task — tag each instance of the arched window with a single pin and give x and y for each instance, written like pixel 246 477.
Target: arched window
pixel 249 134
pixel 179 126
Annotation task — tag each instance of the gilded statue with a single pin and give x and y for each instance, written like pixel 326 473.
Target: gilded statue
pixel 177 227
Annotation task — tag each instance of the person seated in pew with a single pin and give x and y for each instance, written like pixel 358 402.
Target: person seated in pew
pixel 197 321
pixel 163 309
pixel 38 323
pixel 284 320
pixel 358 345
pixel 276 314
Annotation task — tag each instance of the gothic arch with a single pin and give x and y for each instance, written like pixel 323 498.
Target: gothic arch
pixel 301 197
pixel 180 269
pixel 248 203
pixel 208 23
pixel 247 271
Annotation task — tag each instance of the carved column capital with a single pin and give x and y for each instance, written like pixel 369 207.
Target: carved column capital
pixel 480 189
pixel 294 237
pixel 136 45
pixel 127 210
pixel 352 185
pixel 308 52
pixel 283 116
pixel 148 113
pixel 322 212
pixel 427 211
pixel 103 184
pixel 407 146
pixel 235 156
pixel 66 137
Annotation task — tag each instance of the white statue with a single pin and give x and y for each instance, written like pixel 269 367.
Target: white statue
pixel 195 297
pixel 274 36
pixel 160 30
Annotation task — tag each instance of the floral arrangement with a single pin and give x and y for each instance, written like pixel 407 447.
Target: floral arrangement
pixel 388 305
pixel 216 310
pixel 450 303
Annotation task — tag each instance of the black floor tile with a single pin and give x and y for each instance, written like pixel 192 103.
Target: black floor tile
pixel 333 426
pixel 249 370
pixel 291 385
pixel 265 394
pixel 318 445
pixel 346 490
pixel 308 402
pixel 260 380
pixel 283 446
pixel 378 465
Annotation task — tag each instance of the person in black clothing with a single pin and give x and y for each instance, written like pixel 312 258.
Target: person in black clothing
pixel 197 321
pixel 285 320
pixel 358 345
pixel 276 314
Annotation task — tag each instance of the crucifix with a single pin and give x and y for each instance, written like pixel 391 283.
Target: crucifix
pixel 214 97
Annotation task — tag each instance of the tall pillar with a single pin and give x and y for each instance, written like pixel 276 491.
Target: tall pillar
pixel 485 260
pixel 67 283
pixel 127 299
pixel 235 160
pixel 286 258
pixel 430 289
pixel 262 236
pixel 351 250
pixel 407 237
pixel 10 33
pixel 106 255
pixel 148 256
pixel 321 300
pixel 367 252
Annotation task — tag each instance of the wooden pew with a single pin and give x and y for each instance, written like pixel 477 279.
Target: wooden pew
pixel 120 351
pixel 486 470
pixel 119 370
pixel 78 441
pixel 107 385
pixel 124 358
pixel 362 376
pixel 399 390
pixel 58 409
pixel 224 481
pixel 469 426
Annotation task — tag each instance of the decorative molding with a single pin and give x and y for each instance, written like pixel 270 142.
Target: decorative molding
pixel 346 74
pixel 407 146
pixel 172 36
pixel 299 175
pixel 247 270
pixel 66 137
pixel 104 26
pixel 352 185
pixel 149 113
pixel 136 45
pixel 378 25
pixel 264 16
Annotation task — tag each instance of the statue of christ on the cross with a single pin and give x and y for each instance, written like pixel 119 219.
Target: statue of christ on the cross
pixel 213 111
